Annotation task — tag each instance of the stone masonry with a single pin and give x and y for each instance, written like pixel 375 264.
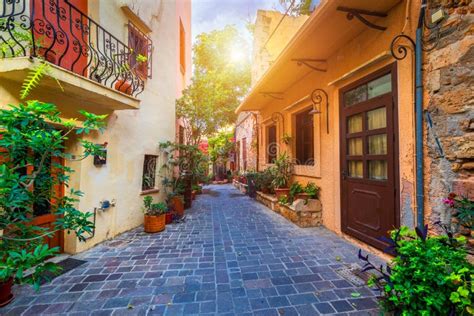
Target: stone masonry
pixel 449 102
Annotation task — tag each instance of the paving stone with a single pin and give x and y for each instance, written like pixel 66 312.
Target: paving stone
pixel 232 256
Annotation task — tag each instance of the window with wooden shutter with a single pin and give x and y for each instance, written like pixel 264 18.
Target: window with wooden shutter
pixel 149 172
pixel 271 143
pixel 139 45
pixel 304 138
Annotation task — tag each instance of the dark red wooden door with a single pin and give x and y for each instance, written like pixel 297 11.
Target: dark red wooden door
pixel 61 33
pixel 369 157
pixel 44 215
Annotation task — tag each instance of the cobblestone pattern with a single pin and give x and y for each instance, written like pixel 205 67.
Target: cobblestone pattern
pixel 232 256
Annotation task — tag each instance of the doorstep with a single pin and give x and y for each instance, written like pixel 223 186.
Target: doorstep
pixel 302 213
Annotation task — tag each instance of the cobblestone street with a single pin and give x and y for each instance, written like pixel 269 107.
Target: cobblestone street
pixel 232 256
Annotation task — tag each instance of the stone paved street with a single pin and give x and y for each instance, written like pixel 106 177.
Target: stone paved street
pixel 232 256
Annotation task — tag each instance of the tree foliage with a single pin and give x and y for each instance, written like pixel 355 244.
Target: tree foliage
pixel 220 146
pixel 300 7
pixel 219 83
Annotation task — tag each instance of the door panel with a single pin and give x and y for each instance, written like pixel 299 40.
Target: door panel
pixel 369 162
pixel 43 214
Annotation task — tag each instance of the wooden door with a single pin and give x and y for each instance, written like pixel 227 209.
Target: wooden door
pixel 42 211
pixel 369 157
pixel 62 39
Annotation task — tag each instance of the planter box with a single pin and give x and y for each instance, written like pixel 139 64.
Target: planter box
pixel 269 200
pixel 302 213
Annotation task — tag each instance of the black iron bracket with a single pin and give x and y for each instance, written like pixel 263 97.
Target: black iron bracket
pixel 311 63
pixel 318 97
pixel 359 14
pixel 273 95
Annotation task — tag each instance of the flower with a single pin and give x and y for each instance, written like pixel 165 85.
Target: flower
pixel 449 202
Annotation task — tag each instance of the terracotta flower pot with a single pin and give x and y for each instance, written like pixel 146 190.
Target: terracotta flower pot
pixel 123 86
pixel 303 196
pixel 177 205
pixel 168 218
pixel 282 192
pixel 6 295
pixel 154 223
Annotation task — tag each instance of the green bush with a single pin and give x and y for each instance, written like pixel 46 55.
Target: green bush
pixel 428 276
pixel 312 190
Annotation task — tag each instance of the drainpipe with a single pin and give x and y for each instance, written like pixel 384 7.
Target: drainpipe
pixel 419 119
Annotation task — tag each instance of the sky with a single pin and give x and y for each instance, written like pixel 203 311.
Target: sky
pixel 208 15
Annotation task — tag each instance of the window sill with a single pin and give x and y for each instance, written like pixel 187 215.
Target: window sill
pixel 150 191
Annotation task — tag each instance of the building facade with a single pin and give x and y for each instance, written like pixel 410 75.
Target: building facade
pixel 88 45
pixel 272 32
pixel 343 94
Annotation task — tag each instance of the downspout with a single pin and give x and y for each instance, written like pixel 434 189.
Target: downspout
pixel 419 119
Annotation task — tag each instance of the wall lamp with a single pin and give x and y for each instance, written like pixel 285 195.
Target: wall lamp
pixel 318 96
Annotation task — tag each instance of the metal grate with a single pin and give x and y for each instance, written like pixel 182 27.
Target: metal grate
pixel 353 274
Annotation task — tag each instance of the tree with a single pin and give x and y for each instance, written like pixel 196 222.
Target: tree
pixel 220 80
pixel 297 7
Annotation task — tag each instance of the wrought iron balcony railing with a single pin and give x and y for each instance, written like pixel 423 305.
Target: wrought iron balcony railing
pixel 63 34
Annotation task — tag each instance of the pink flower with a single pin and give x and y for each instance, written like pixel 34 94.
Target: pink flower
pixel 449 202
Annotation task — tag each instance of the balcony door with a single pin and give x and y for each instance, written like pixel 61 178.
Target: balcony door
pixel 369 157
pixel 62 33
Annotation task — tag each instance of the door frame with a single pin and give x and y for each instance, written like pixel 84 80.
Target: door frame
pixel 390 68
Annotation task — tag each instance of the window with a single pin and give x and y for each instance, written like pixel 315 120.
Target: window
pixel 367 91
pixel 182 47
pixel 271 143
pixel 149 172
pixel 304 138
pixel 139 45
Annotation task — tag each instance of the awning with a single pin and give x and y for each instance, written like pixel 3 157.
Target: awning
pixel 326 30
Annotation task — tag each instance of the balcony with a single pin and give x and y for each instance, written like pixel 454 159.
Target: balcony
pixel 95 70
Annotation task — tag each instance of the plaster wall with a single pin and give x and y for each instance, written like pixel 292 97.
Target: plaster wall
pixel 130 134
pixel 370 45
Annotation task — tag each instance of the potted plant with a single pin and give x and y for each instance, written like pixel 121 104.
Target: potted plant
pixel 282 175
pixel 155 219
pixel 123 84
pixel 296 191
pixel 310 191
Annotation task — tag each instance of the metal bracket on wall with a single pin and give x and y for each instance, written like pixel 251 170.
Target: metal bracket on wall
pixel 273 95
pixel 311 63
pixel 318 96
pixel 359 14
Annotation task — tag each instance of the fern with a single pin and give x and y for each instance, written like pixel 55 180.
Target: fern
pixel 33 79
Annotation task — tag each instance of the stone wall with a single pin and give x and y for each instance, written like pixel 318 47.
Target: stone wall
pixel 449 103
pixel 245 128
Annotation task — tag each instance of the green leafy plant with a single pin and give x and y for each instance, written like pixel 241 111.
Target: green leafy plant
pixel 154 209
pixel 286 139
pixel 312 190
pixel 283 170
pixel 295 189
pixel 31 149
pixel 283 200
pixel 264 180
pixel 463 209
pixel 429 275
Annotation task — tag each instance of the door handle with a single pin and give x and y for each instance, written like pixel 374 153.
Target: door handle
pixel 344 174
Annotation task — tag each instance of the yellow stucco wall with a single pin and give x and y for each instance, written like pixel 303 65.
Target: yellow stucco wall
pixel 130 134
pixel 370 45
